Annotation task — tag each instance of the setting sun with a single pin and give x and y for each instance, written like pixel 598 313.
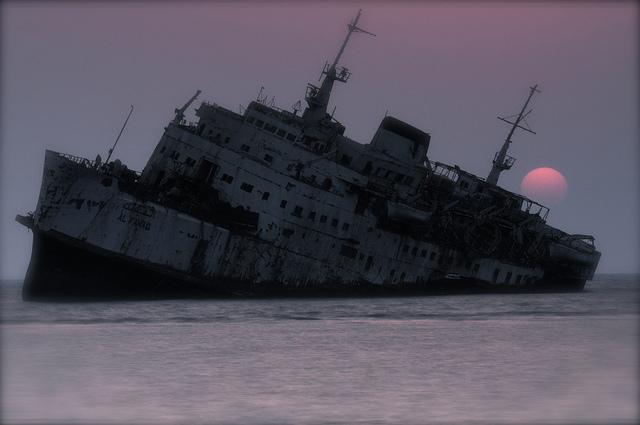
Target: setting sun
pixel 544 184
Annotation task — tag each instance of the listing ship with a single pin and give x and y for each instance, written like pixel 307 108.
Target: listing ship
pixel 273 202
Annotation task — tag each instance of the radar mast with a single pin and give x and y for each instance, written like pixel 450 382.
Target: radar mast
pixel 318 97
pixel 502 161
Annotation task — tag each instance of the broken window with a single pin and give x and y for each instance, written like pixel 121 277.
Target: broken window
pixel 245 148
pixel 369 263
pixel 259 123
pixel 414 251
pixel 345 160
pixel 281 133
pixel 206 171
pixel 246 187
pixel 287 232
pixel 508 278
pixel 283 204
pixel 268 158
pixel 270 128
pixel 291 137
pixel 433 256
pixel 250 120
pixel 496 273
pixel 423 253
pixel 323 219
pixel 345 226
pixel 227 178
pixel 297 211
pixel 334 222
pixel 405 248
pixel 348 251
pixel 312 215
pixel 265 196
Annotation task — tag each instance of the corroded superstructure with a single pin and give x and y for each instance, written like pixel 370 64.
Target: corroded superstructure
pixel 271 201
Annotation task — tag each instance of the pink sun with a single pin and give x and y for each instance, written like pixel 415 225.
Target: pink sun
pixel 544 184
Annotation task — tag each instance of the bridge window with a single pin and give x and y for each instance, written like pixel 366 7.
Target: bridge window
pixel 281 133
pixel 245 148
pixel 346 159
pixel 334 222
pixel 518 278
pixel 250 120
pixel 270 128
pixel 259 123
pixel 291 137
pixel 508 278
pixel 227 178
pixel 268 158
pixel 246 187
pixel 496 273
pixel 405 248
pixel 414 251
pixel 345 226
pixel 312 215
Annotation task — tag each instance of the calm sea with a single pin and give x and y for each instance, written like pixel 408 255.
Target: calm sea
pixel 529 358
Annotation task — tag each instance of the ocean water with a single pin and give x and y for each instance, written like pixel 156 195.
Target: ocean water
pixel 523 358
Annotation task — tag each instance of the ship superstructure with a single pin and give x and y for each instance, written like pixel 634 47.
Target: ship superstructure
pixel 270 201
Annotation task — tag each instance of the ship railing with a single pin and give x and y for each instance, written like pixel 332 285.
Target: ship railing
pixel 531 207
pixel 91 164
pixel 87 163
pixel 444 170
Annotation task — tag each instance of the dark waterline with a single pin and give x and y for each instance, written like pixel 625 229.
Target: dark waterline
pixel 514 358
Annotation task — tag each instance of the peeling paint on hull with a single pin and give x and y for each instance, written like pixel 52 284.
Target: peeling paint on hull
pixel 62 269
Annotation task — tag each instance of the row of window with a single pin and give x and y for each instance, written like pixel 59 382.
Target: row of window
pixel 392 175
pixel 423 252
pixel 507 279
pixel 272 129
pixel 297 210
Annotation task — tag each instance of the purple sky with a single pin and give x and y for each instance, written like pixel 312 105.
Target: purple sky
pixel 70 72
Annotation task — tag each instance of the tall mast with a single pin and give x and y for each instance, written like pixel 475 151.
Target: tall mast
pixel 119 134
pixel 502 161
pixel 318 97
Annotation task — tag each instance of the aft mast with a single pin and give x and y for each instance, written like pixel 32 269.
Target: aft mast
pixel 318 97
pixel 501 160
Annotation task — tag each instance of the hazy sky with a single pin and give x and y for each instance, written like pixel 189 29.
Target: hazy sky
pixel 70 72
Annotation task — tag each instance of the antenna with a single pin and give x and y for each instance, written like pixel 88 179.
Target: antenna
pixel 119 134
pixel 180 111
pixel 502 161
pixel 318 97
pixel 353 27
pixel 296 107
